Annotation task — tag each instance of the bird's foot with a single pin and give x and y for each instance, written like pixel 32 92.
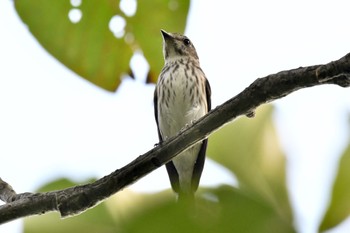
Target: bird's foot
pixel 160 143
pixel 250 114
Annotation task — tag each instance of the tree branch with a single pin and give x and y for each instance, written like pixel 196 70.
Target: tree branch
pixel 77 199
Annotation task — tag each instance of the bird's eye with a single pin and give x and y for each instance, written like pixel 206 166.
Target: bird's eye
pixel 187 42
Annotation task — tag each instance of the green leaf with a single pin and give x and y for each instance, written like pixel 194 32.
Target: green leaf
pixel 243 213
pixel 226 209
pixel 339 207
pixel 153 16
pixel 89 47
pixel 250 149
pixel 234 212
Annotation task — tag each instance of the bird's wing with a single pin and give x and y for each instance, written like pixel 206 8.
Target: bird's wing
pixel 155 102
pixel 208 94
pixel 198 166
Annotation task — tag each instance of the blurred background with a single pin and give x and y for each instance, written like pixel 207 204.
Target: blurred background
pixel 55 124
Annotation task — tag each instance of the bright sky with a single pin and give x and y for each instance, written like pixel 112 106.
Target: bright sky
pixel 53 123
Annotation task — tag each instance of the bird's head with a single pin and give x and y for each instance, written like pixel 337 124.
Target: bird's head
pixel 177 46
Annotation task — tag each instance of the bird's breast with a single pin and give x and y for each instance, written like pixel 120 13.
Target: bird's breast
pixel 180 99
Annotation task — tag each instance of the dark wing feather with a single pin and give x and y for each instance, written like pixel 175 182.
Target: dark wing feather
pixel 173 176
pixel 198 166
pixel 208 94
pixel 155 102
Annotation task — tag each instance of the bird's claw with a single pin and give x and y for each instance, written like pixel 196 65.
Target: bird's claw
pixel 250 114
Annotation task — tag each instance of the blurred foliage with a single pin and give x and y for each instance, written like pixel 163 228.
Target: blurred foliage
pixel 227 210
pixel 250 149
pixel 89 47
pixel 339 207
pixel 233 211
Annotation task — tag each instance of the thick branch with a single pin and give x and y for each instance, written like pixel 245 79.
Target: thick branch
pixel 77 199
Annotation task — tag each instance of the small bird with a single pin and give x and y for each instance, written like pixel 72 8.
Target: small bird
pixel 182 96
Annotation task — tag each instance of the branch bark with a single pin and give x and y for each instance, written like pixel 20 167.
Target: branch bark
pixel 77 199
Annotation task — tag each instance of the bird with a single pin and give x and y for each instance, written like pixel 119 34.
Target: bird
pixel 182 96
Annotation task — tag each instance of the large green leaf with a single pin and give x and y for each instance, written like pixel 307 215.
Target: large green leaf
pixel 227 210
pixel 339 207
pixel 234 212
pixel 155 15
pixel 89 47
pixel 250 149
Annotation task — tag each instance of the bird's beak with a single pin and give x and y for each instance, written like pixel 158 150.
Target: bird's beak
pixel 165 34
